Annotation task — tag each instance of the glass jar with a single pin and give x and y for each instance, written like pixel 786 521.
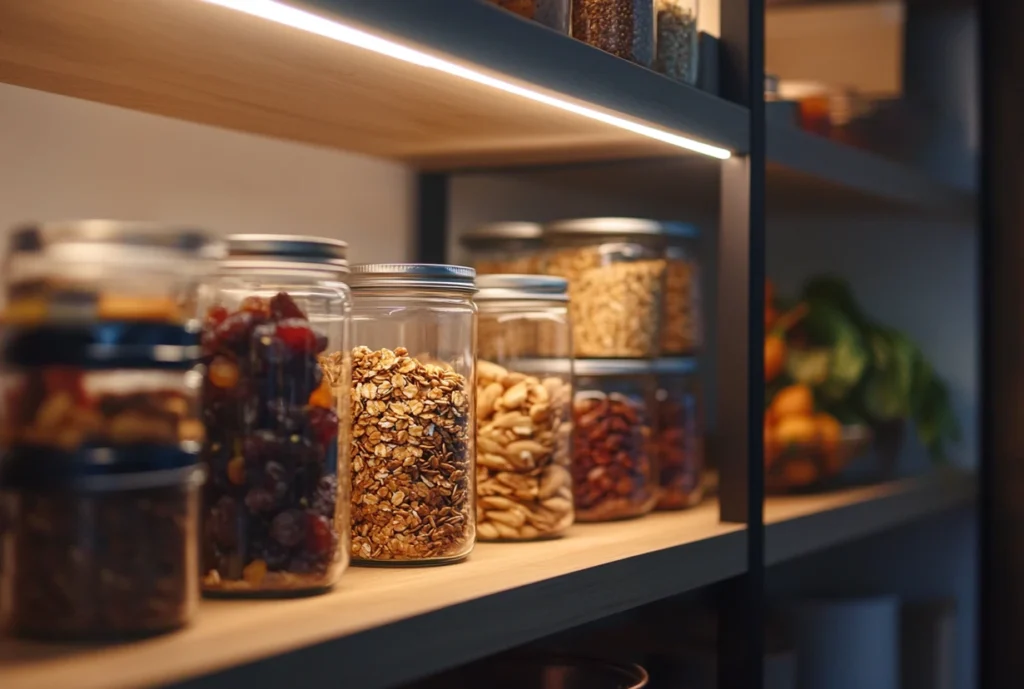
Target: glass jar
pixel 99 429
pixel 678 434
pixel 276 384
pixel 616 271
pixel 504 247
pixel 413 407
pixel 613 470
pixel 682 327
pixel 524 429
pixel 624 28
pixel 553 14
pixel 677 40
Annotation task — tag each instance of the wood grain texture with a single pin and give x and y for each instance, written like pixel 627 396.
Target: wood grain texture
pixel 504 595
pixel 191 60
pixel 798 525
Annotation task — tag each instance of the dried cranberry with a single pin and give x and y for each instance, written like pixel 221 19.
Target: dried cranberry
pixel 215 315
pixel 282 306
pixel 319 537
pixel 236 330
pixel 324 424
pixel 297 336
pixel 289 528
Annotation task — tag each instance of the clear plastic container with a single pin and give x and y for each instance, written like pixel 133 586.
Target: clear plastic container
pixel 551 13
pixel 524 427
pixel 103 270
pixel 682 326
pixel 677 40
pixel 413 409
pixel 504 247
pixel 678 434
pixel 624 28
pixel 98 551
pixel 613 470
pixel 616 272
pixel 275 394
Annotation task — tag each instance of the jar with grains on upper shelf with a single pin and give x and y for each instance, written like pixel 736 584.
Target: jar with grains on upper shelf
pixel 624 28
pixel 677 39
pixel 553 14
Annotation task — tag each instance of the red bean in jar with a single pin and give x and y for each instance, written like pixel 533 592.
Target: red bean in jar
pixel 275 518
pixel 613 469
pixel 678 434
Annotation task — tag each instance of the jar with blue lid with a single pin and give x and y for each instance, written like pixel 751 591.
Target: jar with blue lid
pixel 275 389
pixel 100 429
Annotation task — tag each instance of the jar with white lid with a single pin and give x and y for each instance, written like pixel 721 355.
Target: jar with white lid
pixel 678 433
pixel 616 272
pixel 275 394
pixel 504 247
pixel 100 431
pixel 524 398
pixel 614 471
pixel 413 407
pixel 682 323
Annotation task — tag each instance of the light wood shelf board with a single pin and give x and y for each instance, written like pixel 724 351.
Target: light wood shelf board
pixel 191 60
pixel 504 595
pixel 802 524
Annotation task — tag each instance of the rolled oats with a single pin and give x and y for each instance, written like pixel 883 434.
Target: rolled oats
pixel 524 487
pixel 412 458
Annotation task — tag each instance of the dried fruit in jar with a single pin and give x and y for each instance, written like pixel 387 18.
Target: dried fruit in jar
pixel 272 452
pixel 612 469
pixel 523 483
pixel 412 458
pixel 679 448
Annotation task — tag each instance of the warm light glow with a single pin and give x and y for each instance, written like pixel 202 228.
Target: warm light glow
pixel 296 18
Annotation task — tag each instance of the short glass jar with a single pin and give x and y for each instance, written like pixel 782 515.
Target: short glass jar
pixel 682 326
pixel 275 507
pixel 524 403
pixel 677 39
pixel 553 14
pixel 413 407
pixel 616 272
pixel 99 429
pixel 613 468
pixel 678 434
pixel 504 247
pixel 624 28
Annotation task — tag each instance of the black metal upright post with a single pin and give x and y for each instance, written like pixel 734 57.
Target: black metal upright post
pixel 432 217
pixel 1002 362
pixel 740 340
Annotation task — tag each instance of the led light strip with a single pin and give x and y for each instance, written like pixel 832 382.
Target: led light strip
pixel 298 19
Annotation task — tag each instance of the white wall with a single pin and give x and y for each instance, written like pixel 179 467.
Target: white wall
pixel 66 158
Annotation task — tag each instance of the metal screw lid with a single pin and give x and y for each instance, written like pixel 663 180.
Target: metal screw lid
pixel 508 287
pixel 612 367
pixel 422 275
pixel 607 226
pixel 287 248
pixel 94 237
pixel 513 231
pixel 676 365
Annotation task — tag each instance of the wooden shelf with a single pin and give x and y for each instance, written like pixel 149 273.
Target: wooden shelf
pixel 798 525
pixel 196 61
pixel 504 595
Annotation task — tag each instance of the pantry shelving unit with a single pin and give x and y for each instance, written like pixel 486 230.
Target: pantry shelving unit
pixel 450 86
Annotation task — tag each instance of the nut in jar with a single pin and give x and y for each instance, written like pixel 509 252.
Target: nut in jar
pixel 524 486
pixel 678 435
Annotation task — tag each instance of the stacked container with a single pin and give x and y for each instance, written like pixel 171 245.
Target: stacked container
pixel 504 247
pixel 100 428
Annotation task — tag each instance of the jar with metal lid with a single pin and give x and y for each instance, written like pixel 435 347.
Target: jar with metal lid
pixel 613 467
pixel 524 398
pixel 553 14
pixel 504 247
pixel 99 428
pixel 678 434
pixel 275 393
pixel 677 39
pixel 624 28
pixel 413 407
pixel 616 272
pixel 682 326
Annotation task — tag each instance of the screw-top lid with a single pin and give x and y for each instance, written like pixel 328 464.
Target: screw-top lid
pixel 612 367
pixel 497 231
pixel 422 275
pixel 608 226
pixel 300 251
pixel 507 287
pixel 676 365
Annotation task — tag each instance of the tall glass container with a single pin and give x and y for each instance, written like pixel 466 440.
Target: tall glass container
pixel 504 247
pixel 624 28
pixel 413 413
pixel 678 434
pixel 100 433
pixel 524 397
pixel 275 508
